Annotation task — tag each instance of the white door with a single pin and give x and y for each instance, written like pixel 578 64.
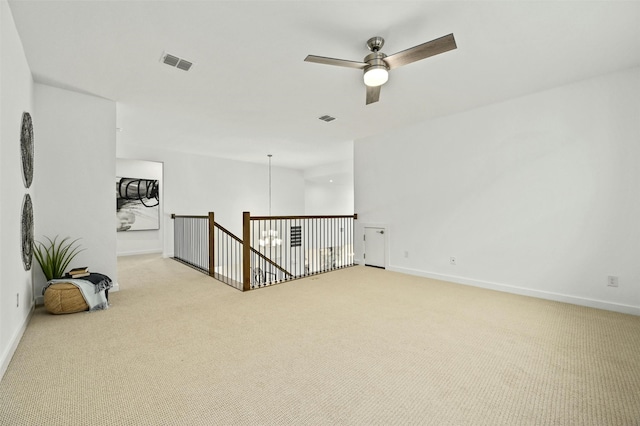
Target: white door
pixel 374 247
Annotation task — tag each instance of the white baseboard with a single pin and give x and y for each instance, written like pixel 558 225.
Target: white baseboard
pixel 540 294
pixel 138 252
pixel 13 344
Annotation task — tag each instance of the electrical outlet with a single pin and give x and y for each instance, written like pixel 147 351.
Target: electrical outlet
pixel 612 281
pixel 406 254
pixel 17 300
pixel 452 260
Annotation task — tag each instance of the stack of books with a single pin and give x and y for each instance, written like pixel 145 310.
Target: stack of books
pixel 78 272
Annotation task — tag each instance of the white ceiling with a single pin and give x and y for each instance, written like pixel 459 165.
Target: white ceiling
pixel 250 93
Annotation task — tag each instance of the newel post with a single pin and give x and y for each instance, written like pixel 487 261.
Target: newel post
pixel 246 251
pixel 212 230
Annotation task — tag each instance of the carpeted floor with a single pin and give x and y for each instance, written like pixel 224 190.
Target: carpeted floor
pixel 360 346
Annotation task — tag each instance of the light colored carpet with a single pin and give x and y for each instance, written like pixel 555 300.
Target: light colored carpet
pixel 360 346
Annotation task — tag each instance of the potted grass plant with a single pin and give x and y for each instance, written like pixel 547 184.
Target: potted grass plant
pixel 54 256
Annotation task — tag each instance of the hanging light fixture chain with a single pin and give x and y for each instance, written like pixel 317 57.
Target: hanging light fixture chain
pixel 269 155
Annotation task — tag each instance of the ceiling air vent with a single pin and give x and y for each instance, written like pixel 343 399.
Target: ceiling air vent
pixel 184 65
pixel 170 60
pixel 176 62
pixel 327 118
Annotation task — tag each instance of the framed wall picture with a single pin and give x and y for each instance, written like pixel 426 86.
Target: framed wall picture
pixel 137 204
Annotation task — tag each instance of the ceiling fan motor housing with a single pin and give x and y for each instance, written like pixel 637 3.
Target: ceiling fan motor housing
pixel 375 61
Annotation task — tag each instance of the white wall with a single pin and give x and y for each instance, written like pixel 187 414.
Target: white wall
pixel 322 198
pixel 539 195
pixel 329 189
pixel 195 185
pixel 75 175
pixel 16 97
pixel 146 241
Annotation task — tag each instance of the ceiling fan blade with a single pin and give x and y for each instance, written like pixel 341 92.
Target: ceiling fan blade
pixel 373 94
pixel 421 51
pixel 337 62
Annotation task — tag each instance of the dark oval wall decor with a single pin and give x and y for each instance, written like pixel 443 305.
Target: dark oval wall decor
pixel 26 148
pixel 27 232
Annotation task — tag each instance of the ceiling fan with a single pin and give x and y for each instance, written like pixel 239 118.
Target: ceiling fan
pixel 376 65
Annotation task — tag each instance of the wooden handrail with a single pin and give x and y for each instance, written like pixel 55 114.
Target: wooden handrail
pixel 173 216
pixel 229 233
pixel 350 216
pixel 354 216
pixel 271 262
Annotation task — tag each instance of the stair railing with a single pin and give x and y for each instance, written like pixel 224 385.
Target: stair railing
pixel 299 245
pixel 191 236
pixel 227 256
pixel 272 249
pixel 205 245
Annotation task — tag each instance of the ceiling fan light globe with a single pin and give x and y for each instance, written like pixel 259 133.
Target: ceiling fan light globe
pixel 376 76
